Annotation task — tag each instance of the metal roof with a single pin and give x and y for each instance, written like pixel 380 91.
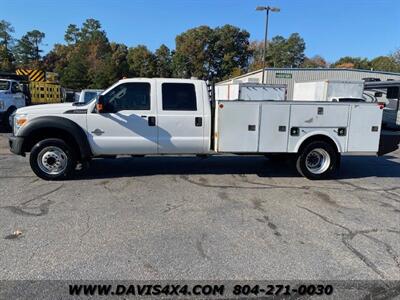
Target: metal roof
pixel 312 70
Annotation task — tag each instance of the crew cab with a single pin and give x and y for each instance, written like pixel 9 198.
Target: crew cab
pixel 11 98
pixel 143 116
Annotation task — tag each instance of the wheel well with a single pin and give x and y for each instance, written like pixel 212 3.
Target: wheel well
pixel 318 137
pixel 48 133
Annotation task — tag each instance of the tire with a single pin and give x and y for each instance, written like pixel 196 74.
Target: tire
pixel 52 159
pixel 318 160
pixel 6 118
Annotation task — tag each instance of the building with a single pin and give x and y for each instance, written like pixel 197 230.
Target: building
pixel 289 76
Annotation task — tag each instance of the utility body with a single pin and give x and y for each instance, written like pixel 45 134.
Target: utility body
pixel 176 116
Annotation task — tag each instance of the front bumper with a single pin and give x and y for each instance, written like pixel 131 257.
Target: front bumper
pixel 16 143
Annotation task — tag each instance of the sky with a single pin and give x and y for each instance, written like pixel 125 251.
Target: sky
pixel 330 28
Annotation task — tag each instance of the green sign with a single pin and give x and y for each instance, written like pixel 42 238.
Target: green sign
pixel 283 75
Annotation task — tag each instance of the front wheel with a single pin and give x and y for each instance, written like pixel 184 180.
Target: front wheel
pixel 318 160
pixel 52 159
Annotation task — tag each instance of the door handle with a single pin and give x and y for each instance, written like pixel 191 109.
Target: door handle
pixel 151 121
pixel 198 121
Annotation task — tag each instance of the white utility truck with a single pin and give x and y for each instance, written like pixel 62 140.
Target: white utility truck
pixel 249 91
pixel 175 116
pixel 328 90
pixel 11 98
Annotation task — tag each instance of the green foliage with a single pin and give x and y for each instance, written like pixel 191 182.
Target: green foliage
pixel 211 53
pixel 288 52
pixel 385 63
pixel 5 33
pixel 281 52
pixel 27 50
pixel 141 61
pixel 352 63
pixel 163 59
pixel 72 34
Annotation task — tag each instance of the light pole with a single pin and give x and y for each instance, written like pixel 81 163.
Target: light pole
pixel 267 9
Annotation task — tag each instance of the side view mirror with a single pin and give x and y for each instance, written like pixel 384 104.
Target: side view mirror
pixel 378 94
pixel 100 104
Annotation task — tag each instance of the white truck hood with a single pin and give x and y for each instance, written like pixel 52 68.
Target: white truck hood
pixel 45 109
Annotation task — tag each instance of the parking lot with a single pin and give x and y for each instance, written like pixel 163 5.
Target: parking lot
pixel 225 217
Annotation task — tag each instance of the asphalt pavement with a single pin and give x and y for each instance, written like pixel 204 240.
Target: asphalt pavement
pixel 227 217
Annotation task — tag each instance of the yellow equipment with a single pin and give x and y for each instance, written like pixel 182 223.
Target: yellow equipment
pixel 43 86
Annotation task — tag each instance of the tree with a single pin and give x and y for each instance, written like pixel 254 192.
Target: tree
pixel 288 52
pixel 385 63
pixel 72 34
pixel 191 56
pixel 352 63
pixel 141 61
pixel 281 52
pixel 256 59
pixel 211 53
pixel 91 29
pixel 229 51
pixel 75 74
pixel 6 40
pixel 119 53
pixel 163 62
pixel 314 62
pixel 27 49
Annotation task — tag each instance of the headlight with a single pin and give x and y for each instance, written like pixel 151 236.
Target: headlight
pixel 19 121
pixel 1 105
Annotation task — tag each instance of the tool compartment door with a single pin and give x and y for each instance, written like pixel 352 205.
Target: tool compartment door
pixel 238 126
pixel 274 127
pixel 315 115
pixel 365 128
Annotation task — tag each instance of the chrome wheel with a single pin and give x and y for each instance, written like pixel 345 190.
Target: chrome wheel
pixel 52 160
pixel 318 161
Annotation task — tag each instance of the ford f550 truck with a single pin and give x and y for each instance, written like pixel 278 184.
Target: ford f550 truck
pixel 176 116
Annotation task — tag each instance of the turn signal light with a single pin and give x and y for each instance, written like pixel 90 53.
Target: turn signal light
pixel 21 121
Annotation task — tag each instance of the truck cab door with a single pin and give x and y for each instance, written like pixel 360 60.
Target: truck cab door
pixel 180 117
pixel 127 124
pixel 17 95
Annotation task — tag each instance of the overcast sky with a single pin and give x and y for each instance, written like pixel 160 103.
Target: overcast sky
pixel 331 28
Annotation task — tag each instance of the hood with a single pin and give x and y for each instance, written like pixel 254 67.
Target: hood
pixel 45 109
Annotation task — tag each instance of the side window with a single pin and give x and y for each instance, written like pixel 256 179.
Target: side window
pixel 15 88
pixel 179 96
pixel 128 96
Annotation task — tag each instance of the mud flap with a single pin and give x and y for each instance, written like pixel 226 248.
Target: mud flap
pixel 389 142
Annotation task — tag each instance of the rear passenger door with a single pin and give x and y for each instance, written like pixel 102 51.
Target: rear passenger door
pixel 180 117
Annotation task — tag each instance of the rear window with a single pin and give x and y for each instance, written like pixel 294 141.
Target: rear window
pixel 179 96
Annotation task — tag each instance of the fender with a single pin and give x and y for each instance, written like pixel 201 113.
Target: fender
pixel 71 127
pixel 319 132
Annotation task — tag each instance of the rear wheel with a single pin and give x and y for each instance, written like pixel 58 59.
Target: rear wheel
pixel 318 160
pixel 52 159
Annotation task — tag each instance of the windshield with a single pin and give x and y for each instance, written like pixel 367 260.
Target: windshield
pixel 4 85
